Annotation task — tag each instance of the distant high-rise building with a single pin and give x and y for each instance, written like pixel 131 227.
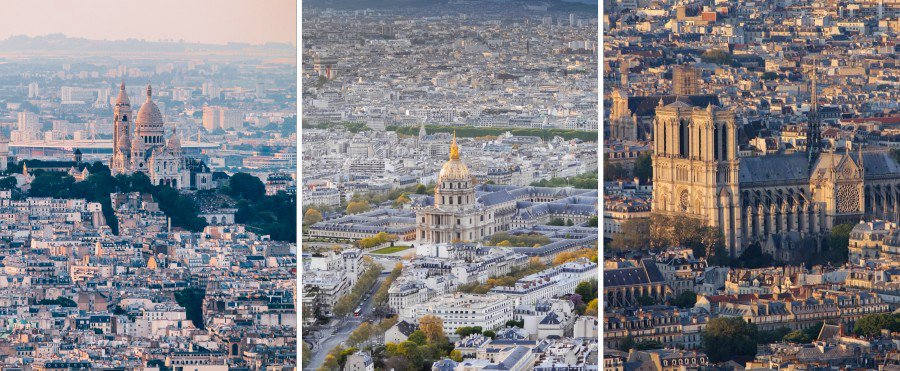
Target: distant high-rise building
pixel 210 90
pixel 221 118
pixel 572 19
pixel 211 118
pixel 4 152
pixel 260 90
pixel 28 122
pixel 684 80
pixel 33 90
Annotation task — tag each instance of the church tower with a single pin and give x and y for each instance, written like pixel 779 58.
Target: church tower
pixel 695 167
pixel 121 133
pixel 814 132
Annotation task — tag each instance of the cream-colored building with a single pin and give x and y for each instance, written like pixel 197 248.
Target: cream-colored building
pixel 139 144
pixel 456 216
pixel 697 173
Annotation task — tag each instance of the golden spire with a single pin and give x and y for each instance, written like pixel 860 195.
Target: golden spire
pixel 454 149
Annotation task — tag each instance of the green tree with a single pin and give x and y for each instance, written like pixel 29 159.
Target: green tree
pixel 587 289
pixel 797 336
pixel 753 257
pixel 772 336
pixel 467 330
pixel 456 356
pixel 51 184
pixel 685 299
pixel 361 334
pixel 838 242
pixel 8 183
pixel 489 333
pixel 61 301
pixel 872 324
pixel 646 301
pixel 613 172
pixel 627 344
pixel 418 337
pixel 556 222
pixel 514 323
pixel 181 208
pixel 716 56
pixel 729 338
pixel 246 186
pixel 643 167
pixel 191 299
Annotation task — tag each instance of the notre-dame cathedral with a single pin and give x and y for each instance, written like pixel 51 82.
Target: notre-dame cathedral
pixel 698 173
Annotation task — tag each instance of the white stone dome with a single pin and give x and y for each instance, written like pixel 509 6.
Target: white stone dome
pixel 149 113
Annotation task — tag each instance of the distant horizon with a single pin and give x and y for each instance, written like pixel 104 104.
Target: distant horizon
pixel 196 21
pixel 179 41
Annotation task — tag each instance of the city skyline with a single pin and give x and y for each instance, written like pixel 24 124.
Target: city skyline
pixel 221 22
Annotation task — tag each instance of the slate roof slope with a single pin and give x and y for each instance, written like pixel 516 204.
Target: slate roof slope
pixel 774 169
pixel 646 273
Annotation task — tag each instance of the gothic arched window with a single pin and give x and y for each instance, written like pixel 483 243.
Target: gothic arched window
pixel 725 142
pixel 683 138
pixel 716 142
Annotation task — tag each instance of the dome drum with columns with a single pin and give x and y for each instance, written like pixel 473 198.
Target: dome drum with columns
pixel 456 215
pixel 142 147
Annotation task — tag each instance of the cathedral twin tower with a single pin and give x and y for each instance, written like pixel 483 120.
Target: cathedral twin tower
pixel 695 165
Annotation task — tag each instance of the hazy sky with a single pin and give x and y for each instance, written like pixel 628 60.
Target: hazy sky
pixel 206 21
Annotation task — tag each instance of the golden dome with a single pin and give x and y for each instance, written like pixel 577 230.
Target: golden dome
pixel 454 169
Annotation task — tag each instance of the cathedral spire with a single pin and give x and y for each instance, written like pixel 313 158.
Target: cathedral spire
pixel 814 129
pixel 149 91
pixel 454 148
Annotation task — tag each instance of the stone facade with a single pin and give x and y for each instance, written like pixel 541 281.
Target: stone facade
pixel 697 173
pixel 456 215
pixel 139 145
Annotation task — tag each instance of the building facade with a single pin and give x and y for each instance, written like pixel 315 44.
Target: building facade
pixel 456 215
pixel 139 144
pixel 697 173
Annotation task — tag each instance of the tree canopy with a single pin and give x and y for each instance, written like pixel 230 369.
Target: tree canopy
pixel 729 338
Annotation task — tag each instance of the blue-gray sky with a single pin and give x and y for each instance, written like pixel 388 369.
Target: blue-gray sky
pixel 205 21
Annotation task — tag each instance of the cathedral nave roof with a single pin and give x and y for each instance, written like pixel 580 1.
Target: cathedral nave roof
pixel 774 168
